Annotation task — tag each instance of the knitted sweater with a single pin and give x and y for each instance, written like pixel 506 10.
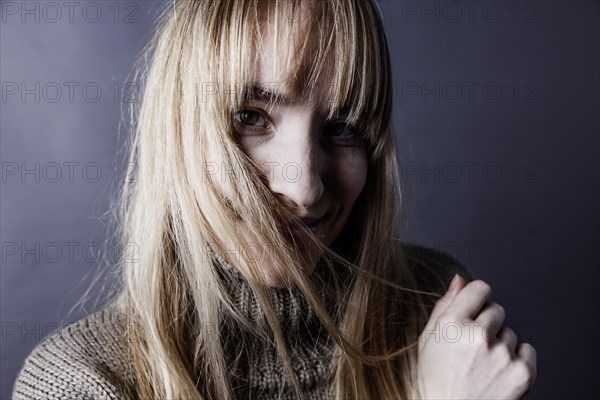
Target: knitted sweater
pixel 90 358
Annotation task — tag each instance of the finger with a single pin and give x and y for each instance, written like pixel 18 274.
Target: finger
pixel 469 301
pixel 527 361
pixel 527 353
pixel 442 304
pixel 509 338
pixel 491 318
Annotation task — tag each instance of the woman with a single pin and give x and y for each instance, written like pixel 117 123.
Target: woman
pixel 263 215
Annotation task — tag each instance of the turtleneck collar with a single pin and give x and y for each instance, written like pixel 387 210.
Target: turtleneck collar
pixel 256 365
pixel 291 307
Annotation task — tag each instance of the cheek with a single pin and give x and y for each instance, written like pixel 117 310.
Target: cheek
pixel 351 173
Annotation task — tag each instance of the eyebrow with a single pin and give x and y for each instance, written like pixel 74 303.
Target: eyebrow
pixel 265 93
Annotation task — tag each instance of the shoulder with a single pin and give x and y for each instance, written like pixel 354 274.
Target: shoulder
pixel 433 269
pixel 87 359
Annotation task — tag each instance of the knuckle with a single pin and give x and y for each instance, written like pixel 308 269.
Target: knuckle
pixel 531 355
pixel 534 353
pixel 529 347
pixel 501 311
pixel 482 286
pixel 510 334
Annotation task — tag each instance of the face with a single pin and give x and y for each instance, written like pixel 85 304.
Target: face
pixel 317 167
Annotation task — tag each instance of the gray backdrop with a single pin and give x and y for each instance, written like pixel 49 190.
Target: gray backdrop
pixel 497 121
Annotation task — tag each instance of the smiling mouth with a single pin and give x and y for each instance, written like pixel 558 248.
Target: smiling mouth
pixel 315 226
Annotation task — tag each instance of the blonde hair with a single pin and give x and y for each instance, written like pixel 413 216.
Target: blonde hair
pixel 181 217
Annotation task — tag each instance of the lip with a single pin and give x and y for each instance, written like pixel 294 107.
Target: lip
pixel 314 226
pixel 311 220
pixel 312 223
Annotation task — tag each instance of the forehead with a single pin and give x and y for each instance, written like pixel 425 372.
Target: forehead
pixel 283 62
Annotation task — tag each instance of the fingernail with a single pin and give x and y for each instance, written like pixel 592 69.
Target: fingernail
pixel 453 283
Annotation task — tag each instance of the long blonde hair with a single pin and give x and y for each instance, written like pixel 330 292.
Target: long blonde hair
pixel 180 220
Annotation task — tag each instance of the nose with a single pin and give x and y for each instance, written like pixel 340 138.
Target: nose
pixel 300 180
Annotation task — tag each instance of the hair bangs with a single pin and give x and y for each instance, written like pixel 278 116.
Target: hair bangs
pixel 335 43
pixel 361 83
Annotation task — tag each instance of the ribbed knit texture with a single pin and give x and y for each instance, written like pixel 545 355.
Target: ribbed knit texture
pixel 260 373
pixel 90 358
pixel 81 361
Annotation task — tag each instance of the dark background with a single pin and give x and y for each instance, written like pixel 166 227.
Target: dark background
pixel 497 119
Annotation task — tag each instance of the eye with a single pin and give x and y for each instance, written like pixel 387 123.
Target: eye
pixel 250 120
pixel 342 130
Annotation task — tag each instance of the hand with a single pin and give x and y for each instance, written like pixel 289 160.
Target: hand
pixel 466 353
